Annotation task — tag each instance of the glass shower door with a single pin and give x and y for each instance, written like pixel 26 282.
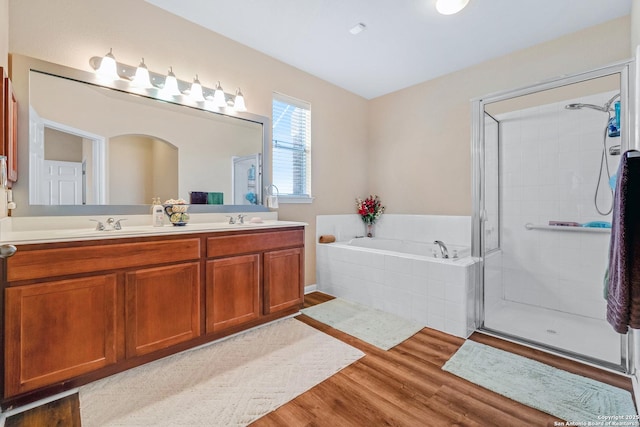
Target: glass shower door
pixel 546 166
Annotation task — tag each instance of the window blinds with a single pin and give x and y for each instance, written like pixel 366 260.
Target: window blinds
pixel 291 149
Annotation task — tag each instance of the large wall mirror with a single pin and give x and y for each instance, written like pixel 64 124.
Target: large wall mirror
pixel 89 147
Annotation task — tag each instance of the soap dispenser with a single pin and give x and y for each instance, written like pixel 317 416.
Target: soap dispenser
pixel 157 213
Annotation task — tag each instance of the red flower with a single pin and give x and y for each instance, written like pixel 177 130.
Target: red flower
pixel 369 209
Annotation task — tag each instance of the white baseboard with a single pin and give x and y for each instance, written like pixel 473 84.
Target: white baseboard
pixel 310 288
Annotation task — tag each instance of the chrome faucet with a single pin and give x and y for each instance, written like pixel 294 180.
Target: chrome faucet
pixel 443 248
pixel 112 224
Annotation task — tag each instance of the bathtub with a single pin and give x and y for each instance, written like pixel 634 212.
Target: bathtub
pixel 409 248
pixel 404 278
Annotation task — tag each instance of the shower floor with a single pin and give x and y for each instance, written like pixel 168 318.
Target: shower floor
pixel 586 336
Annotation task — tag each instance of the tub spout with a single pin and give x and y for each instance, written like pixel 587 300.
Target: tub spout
pixel 443 248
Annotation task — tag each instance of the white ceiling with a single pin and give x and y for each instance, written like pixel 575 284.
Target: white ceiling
pixel 405 42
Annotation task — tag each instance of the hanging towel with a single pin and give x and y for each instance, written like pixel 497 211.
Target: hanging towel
pixel 623 293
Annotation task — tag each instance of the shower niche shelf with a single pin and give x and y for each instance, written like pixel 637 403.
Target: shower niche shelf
pixel 530 226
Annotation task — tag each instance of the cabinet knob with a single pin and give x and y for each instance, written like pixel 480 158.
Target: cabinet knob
pixel 7 251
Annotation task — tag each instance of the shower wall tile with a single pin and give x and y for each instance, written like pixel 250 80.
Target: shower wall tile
pixel 549 163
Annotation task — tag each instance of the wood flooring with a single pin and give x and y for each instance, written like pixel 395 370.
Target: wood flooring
pixel 404 386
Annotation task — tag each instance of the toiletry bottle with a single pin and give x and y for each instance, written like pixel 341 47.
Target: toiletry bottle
pixel 158 213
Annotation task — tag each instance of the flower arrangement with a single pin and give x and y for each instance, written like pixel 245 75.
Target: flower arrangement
pixel 369 209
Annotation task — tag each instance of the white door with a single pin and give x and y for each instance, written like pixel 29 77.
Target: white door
pixel 61 183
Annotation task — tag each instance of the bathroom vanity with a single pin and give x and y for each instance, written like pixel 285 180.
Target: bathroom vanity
pixel 79 309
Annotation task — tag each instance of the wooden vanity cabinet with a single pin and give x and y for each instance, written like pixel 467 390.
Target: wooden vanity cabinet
pixel 253 274
pixel 76 307
pixel 75 312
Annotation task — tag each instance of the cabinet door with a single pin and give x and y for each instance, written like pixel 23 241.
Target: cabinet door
pixel 283 279
pixel 233 291
pixel 162 307
pixel 58 330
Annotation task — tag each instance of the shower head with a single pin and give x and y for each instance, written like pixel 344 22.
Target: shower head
pixel 580 106
pixel 605 108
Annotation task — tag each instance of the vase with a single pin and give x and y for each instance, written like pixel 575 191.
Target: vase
pixel 368 230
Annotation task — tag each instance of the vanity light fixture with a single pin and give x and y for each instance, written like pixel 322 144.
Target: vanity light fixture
pixel 171 84
pixel 449 7
pixel 149 83
pixel 107 68
pixel 218 97
pixel 238 104
pixel 196 90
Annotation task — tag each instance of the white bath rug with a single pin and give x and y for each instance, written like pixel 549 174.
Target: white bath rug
pixel 231 383
pixel 570 397
pixel 377 327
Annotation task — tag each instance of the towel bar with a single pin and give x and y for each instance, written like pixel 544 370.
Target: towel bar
pixel 530 226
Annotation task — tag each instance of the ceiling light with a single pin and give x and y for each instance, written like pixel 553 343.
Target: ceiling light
pixel 218 97
pixel 238 104
pixel 449 7
pixel 358 29
pixel 171 84
pixel 108 67
pixel 141 79
pixel 196 90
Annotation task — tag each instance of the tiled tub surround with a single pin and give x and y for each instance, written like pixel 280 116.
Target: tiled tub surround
pixel 435 292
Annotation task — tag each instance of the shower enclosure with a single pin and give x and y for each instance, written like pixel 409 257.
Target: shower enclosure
pixel 544 160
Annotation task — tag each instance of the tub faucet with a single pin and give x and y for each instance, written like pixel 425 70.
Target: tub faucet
pixel 443 248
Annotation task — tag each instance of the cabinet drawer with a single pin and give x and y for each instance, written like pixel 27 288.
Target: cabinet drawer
pixel 253 242
pixel 41 263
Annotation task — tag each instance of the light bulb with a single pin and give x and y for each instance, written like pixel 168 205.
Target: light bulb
pixel 218 97
pixel 108 67
pixel 141 79
pixel 238 104
pixel 196 90
pixel 171 84
pixel 449 7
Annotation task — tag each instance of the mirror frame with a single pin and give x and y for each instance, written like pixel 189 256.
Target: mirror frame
pixel 20 68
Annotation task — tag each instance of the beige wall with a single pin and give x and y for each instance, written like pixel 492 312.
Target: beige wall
pixel 420 137
pixel 70 35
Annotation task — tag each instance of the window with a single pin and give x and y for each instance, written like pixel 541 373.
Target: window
pixel 291 150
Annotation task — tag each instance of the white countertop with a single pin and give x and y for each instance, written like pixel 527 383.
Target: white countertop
pixel 32 230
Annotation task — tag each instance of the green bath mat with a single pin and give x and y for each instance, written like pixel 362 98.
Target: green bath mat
pixel 560 393
pixel 379 328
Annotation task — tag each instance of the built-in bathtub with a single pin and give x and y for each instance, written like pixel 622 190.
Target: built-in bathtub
pixel 401 277
pixel 408 247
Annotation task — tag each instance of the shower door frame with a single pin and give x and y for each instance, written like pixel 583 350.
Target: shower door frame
pixel 626 71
